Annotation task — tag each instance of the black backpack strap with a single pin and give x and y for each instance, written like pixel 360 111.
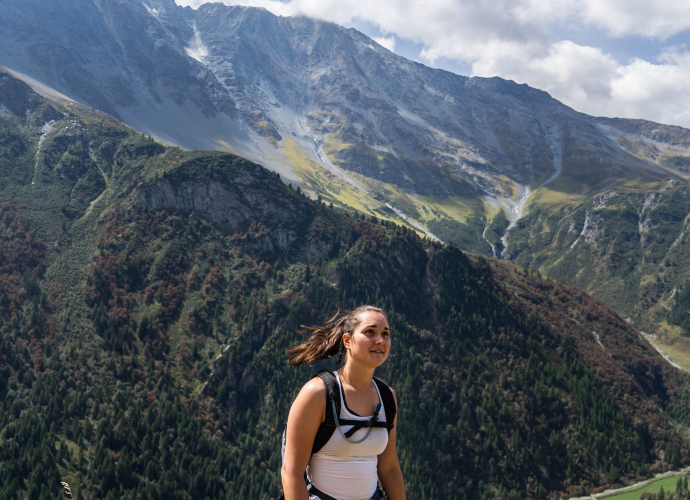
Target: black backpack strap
pixel 388 402
pixel 313 490
pixel 327 428
pixel 332 394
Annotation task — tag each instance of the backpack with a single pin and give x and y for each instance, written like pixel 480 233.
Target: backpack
pixel 332 422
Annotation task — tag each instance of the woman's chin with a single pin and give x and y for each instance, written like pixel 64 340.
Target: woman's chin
pixel 377 359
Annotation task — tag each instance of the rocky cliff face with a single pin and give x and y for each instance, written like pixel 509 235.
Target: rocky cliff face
pixel 16 97
pixel 323 105
pixel 236 195
pixel 228 206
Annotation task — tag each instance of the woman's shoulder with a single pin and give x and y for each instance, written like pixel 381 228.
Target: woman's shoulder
pixel 315 385
pixel 313 392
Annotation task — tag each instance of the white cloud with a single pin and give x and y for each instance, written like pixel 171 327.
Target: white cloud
pixel 565 69
pixel 658 92
pixel 432 20
pixel 514 39
pixel 593 82
pixel 387 42
pixel 658 19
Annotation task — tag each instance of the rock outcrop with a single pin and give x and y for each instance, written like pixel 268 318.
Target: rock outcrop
pixel 235 194
pixel 16 96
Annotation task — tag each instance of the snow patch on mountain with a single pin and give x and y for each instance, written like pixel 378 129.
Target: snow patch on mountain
pixel 153 11
pixel 196 48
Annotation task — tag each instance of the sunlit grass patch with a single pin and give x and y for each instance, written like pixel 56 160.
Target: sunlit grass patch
pixel 554 200
pixel 457 207
pixel 322 182
pixel 653 485
pixel 332 143
pixel 637 185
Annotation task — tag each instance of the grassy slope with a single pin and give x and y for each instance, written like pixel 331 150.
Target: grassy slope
pixel 654 485
pixel 634 270
pixel 326 184
pixel 457 219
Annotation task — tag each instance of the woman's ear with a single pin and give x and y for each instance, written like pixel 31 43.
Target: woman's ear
pixel 346 340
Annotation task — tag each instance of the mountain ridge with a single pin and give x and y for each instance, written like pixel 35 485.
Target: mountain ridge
pixel 311 99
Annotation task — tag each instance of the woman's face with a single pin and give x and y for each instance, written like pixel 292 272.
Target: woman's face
pixel 371 340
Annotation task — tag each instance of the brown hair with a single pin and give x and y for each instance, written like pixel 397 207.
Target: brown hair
pixel 327 340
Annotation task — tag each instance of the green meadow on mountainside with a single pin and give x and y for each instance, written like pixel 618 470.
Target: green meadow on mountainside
pixel 674 486
pixel 627 246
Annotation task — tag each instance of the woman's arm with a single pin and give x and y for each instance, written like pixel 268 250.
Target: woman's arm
pixel 389 471
pixel 306 415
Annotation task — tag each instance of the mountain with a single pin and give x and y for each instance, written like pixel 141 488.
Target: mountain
pixel 497 168
pixel 148 294
pixel 330 110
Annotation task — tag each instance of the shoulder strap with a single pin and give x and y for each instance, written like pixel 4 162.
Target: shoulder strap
pixel 388 402
pixel 327 428
pixel 332 394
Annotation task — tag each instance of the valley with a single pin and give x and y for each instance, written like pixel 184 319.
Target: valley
pixel 159 314
pixel 181 189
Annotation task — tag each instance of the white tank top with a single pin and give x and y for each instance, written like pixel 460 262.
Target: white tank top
pixel 348 471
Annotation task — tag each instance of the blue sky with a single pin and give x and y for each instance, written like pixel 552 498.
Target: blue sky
pixel 626 58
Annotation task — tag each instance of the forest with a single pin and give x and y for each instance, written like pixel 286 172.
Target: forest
pixel 143 337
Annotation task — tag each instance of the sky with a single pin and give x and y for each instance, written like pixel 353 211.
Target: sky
pixel 622 58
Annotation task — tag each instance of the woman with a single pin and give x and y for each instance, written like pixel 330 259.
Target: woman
pixel 346 467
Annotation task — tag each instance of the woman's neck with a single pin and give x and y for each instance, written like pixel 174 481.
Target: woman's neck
pixel 356 376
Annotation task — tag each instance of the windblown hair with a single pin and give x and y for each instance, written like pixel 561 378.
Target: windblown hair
pixel 327 340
